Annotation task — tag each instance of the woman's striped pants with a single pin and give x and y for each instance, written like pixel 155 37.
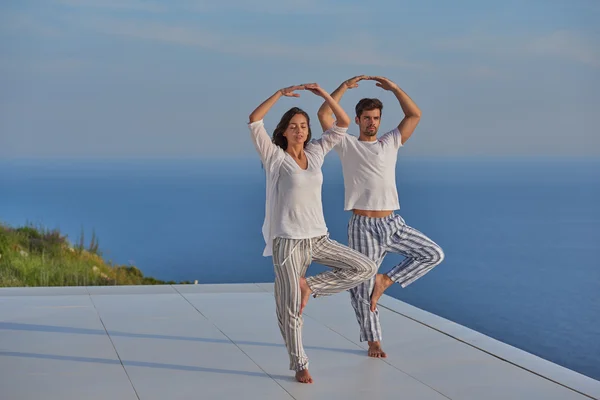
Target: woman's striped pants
pixel 291 259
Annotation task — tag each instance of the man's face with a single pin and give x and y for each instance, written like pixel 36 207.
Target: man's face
pixel 369 122
pixel 297 130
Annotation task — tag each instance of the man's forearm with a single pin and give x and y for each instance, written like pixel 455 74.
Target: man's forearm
pixel 339 92
pixel 342 119
pixel 337 96
pixel 325 112
pixel 412 114
pixel 408 106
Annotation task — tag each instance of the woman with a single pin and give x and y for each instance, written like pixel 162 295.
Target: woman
pixel 294 228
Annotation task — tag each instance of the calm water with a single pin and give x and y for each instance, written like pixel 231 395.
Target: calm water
pixel 521 237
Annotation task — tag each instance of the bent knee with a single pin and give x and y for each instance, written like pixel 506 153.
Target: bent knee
pixel 438 255
pixel 368 268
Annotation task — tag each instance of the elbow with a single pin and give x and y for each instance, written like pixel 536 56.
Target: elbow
pixel 252 118
pixel 416 114
pixel 343 122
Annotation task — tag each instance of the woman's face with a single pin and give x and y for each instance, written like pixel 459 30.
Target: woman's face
pixel 297 130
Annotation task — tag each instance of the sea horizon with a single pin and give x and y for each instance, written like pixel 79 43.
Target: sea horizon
pixel 520 234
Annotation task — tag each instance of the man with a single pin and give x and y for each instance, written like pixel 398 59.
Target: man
pixel 369 169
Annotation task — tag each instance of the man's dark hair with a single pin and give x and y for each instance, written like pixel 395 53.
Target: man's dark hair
pixel 278 137
pixel 368 105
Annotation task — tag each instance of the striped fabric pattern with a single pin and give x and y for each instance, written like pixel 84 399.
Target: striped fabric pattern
pixel 375 237
pixel 291 259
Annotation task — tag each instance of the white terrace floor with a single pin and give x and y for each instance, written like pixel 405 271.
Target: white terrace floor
pixel 222 342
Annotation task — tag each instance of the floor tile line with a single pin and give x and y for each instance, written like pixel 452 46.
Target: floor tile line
pixel 113 345
pixel 234 343
pixel 488 352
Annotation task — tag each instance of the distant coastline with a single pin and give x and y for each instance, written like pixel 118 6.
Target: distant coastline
pixel 36 256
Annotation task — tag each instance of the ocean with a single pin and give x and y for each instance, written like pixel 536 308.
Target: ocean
pixel 521 236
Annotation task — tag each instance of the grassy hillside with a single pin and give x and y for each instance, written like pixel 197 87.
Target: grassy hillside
pixel 34 256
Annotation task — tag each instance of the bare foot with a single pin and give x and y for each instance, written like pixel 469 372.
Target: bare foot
pixel 382 282
pixel 376 351
pixel 303 376
pixel 304 294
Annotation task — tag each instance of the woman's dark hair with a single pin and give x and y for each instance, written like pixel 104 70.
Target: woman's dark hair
pixel 278 137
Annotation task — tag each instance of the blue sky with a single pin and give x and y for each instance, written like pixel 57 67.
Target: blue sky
pixel 178 79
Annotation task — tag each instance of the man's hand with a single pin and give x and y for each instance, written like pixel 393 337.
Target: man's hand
pixel 383 83
pixel 289 91
pixel 353 82
pixel 324 113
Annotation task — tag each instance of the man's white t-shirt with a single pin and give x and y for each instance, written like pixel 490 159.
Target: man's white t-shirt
pixel 369 170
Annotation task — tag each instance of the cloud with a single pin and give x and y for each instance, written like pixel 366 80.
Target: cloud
pixel 355 50
pixel 480 71
pixel 23 23
pixel 54 65
pixel 131 5
pixel 566 45
pixel 281 7
pixel 277 7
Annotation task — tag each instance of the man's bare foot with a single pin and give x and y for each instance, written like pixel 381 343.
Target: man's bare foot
pixel 303 376
pixel 382 282
pixel 304 294
pixel 376 351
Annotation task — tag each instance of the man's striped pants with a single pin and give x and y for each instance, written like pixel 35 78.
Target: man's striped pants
pixel 375 237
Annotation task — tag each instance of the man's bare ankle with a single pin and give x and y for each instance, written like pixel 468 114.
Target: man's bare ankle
pixel 387 280
pixel 376 351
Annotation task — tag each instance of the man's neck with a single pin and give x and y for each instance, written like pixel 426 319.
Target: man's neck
pixel 365 138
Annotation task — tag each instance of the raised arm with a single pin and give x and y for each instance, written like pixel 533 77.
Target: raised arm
pixel 325 111
pixel 412 113
pixel 337 131
pixel 262 110
pixel 263 143
pixel 341 118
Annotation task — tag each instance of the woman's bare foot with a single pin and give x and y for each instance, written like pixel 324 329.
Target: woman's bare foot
pixel 303 376
pixel 375 350
pixel 304 294
pixel 382 282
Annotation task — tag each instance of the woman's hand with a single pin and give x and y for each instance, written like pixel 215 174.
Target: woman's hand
pixel 289 91
pixel 315 88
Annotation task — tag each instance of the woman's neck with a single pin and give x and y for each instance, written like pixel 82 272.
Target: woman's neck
pixel 296 151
